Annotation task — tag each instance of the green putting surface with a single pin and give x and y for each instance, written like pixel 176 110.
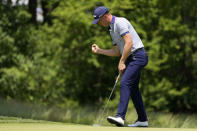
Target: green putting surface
pixel 70 127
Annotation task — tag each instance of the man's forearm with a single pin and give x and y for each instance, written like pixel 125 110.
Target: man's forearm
pixel 126 51
pixel 108 52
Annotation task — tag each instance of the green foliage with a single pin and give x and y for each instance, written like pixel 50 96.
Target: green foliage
pixel 52 63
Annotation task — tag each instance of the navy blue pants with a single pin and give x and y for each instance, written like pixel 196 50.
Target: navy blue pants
pixel 130 85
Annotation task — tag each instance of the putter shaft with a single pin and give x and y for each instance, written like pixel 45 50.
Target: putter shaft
pixel 101 117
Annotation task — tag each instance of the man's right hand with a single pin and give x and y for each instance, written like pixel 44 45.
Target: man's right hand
pixel 95 48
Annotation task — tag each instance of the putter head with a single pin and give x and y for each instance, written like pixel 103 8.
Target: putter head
pixel 96 125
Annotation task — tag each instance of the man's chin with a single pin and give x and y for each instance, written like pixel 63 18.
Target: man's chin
pixel 105 25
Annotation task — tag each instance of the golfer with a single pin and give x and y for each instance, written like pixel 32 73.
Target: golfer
pixel 128 45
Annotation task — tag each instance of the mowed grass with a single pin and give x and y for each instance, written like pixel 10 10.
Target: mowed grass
pixel 19 124
pixel 67 127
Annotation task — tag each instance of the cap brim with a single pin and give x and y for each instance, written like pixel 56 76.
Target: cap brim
pixel 95 21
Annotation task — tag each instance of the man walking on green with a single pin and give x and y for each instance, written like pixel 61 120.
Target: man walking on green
pixel 128 45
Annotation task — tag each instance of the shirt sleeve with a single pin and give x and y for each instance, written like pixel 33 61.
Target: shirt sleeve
pixel 122 28
pixel 114 43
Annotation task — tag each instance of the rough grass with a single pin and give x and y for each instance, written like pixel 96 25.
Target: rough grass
pixel 87 116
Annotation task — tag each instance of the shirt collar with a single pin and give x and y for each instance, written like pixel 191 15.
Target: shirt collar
pixel 112 22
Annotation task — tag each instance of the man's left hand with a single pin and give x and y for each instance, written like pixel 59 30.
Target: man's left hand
pixel 121 67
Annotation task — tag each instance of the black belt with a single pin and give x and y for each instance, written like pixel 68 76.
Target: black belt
pixel 137 50
pixel 130 57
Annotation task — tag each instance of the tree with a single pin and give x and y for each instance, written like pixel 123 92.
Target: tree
pixel 52 63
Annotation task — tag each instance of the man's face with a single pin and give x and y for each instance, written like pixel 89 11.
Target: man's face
pixel 103 21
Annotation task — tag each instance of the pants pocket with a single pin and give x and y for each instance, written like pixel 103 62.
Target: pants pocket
pixel 140 59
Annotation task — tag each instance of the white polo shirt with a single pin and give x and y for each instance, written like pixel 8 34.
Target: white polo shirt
pixel 118 28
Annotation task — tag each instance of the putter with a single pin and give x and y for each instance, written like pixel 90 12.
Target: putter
pixel 101 116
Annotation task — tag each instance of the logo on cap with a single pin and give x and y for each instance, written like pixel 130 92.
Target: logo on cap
pixel 99 12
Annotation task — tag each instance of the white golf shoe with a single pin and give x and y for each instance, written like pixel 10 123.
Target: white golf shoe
pixel 139 124
pixel 118 121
